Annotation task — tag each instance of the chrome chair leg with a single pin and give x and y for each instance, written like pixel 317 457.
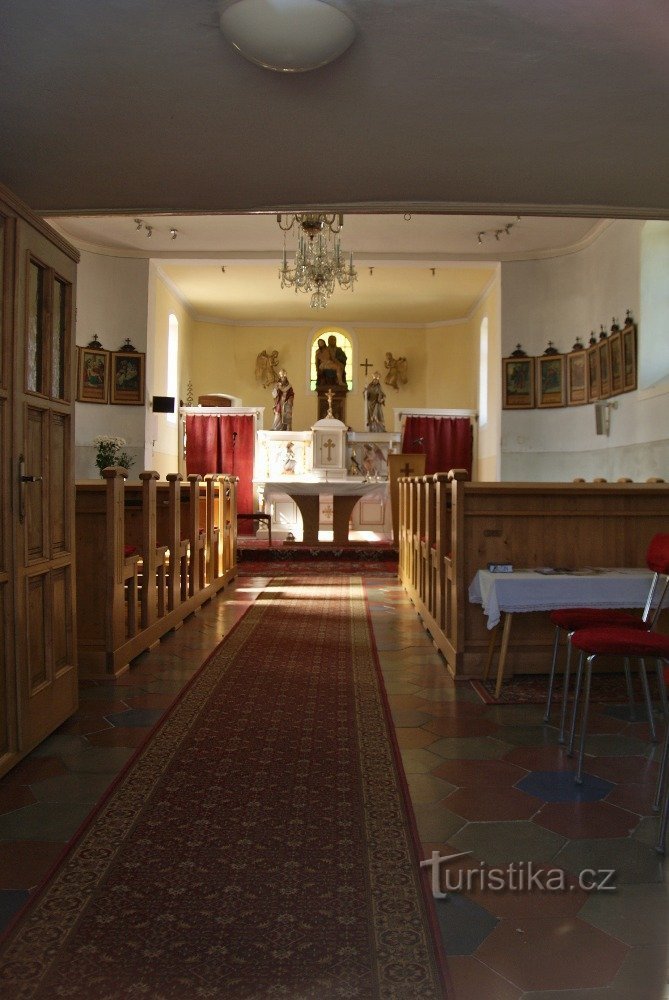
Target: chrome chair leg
pixel 584 719
pixel 648 700
pixel 565 690
pixel 551 676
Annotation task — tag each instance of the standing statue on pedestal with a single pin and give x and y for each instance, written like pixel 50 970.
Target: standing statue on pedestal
pixel 375 398
pixel 283 395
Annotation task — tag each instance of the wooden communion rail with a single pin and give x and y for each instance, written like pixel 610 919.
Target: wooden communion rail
pixel 148 556
pixel 451 528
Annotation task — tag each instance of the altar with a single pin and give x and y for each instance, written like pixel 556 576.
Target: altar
pixel 307 493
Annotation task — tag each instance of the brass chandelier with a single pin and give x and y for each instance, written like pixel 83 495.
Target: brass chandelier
pixel 319 260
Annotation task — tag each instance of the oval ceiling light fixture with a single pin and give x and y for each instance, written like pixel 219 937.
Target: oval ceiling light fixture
pixel 289 36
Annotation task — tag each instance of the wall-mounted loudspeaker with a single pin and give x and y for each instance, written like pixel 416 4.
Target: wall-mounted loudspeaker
pixel 163 404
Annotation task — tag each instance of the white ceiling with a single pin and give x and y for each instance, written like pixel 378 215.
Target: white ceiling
pixel 556 106
pixel 480 110
pixel 411 269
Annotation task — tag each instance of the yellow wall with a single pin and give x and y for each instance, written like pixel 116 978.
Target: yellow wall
pixel 442 367
pixel 452 371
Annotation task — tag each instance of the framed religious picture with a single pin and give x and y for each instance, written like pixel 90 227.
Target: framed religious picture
pixel 604 368
pixel 628 336
pixel 594 390
pixel 92 375
pixel 616 362
pixel 577 378
pixel 127 378
pixel 518 383
pixel 550 380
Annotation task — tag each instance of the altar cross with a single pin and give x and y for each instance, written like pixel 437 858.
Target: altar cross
pixel 366 365
pixel 328 446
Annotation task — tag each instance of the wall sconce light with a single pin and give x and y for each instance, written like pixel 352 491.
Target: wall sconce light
pixel 163 404
pixel 174 233
pixel 149 231
pixel 603 417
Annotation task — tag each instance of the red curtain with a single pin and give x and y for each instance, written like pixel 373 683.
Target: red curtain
pixel 446 442
pixel 223 444
pixel 236 443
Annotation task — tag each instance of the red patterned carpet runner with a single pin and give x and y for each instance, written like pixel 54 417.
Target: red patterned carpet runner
pixel 258 846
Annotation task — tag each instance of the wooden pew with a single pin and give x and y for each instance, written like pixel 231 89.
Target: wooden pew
pixel 526 524
pixel 148 556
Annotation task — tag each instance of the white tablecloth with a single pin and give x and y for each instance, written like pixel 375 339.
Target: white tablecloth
pixel 531 590
pixel 322 487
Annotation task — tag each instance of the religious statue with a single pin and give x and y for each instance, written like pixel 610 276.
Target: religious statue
pixel 375 398
pixel 397 370
pixel 330 363
pixel 372 459
pixel 283 396
pixel 266 368
pixel 354 467
pixel 289 460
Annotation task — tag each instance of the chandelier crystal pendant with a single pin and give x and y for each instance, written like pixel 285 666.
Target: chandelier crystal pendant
pixel 319 260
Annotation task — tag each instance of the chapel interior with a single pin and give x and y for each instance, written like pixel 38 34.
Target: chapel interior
pixel 498 176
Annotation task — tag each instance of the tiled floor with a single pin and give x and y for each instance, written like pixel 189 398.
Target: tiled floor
pixel 488 783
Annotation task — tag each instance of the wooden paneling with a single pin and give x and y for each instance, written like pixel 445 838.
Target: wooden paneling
pixel 60 494
pixel 62 639
pixel 36 445
pixel 39 660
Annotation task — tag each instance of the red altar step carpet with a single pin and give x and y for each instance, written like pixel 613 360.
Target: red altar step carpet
pixel 259 845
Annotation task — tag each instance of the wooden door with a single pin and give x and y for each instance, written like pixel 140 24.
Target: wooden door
pixel 40 670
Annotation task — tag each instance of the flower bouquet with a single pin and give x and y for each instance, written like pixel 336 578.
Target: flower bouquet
pixel 110 452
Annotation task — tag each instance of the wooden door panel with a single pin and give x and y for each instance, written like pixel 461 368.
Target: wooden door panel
pixel 62 637
pixel 6 715
pixel 39 665
pixel 60 495
pixel 35 444
pixel 38 677
pixel 43 435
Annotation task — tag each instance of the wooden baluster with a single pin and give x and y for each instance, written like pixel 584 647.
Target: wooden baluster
pixel 430 535
pixel 401 523
pixel 210 529
pixel 442 501
pixel 174 586
pixel 194 537
pixel 149 597
pixel 113 614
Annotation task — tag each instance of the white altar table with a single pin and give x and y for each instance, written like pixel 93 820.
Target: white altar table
pixel 306 493
pixel 529 590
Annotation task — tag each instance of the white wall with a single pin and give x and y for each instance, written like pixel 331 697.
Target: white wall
pixel 112 302
pixel 559 299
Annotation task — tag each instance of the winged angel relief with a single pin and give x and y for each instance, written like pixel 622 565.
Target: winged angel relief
pixel 267 368
pixel 397 371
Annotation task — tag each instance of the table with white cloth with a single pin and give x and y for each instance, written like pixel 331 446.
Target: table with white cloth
pixel 548 589
pixel 306 493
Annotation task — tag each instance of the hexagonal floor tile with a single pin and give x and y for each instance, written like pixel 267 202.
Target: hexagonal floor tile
pixel 566 954
pixel 559 786
pixel 579 820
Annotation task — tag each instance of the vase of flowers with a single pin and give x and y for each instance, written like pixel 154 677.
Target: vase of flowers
pixel 109 452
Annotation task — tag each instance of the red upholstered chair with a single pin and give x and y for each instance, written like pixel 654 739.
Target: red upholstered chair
pixel 570 620
pixel 661 803
pixel 632 643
